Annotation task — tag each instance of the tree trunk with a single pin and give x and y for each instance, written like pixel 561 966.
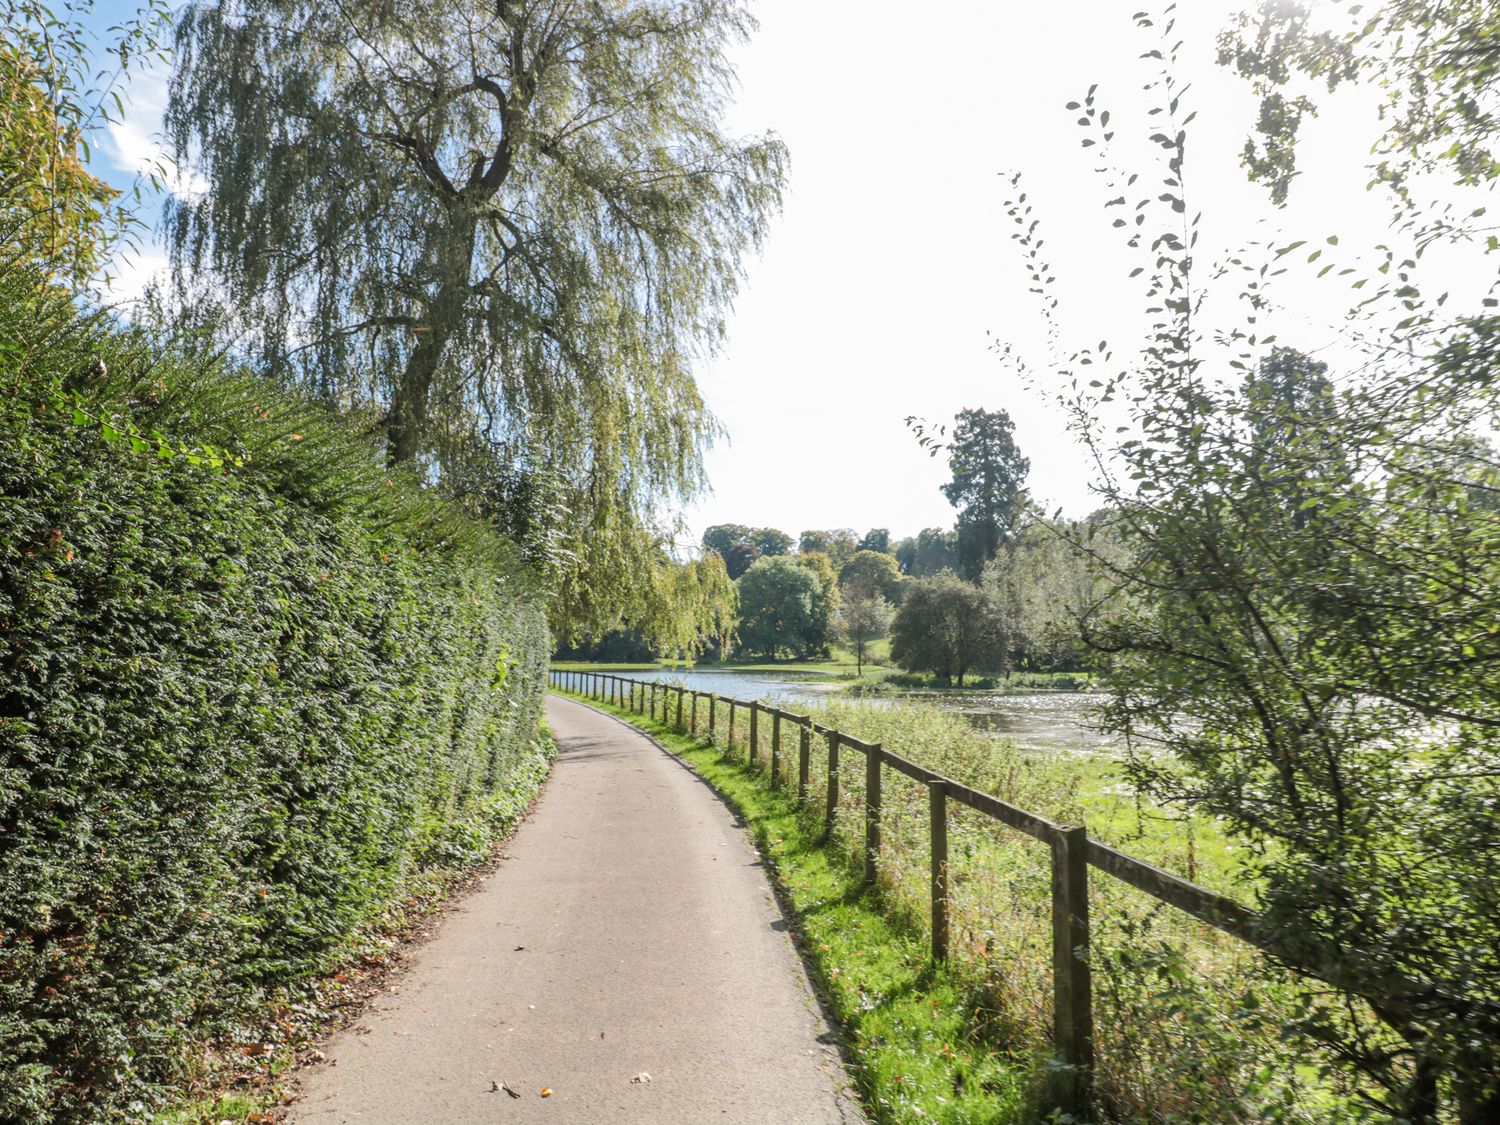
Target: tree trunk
pixel 407 425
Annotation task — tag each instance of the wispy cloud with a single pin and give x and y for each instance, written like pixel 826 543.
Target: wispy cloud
pixel 135 147
pixel 132 274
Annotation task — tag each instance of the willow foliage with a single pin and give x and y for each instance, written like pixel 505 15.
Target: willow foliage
pixel 512 226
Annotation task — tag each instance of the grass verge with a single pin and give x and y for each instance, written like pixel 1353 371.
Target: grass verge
pixel 916 1056
pixel 1191 1026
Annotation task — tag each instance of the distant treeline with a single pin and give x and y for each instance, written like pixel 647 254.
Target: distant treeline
pixel 798 596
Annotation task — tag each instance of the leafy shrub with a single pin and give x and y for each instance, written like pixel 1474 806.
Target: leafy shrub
pixel 250 684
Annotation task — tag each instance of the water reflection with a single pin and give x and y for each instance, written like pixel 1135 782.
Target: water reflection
pixel 1056 721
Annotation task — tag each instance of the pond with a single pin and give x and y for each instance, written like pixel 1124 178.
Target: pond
pixel 1054 721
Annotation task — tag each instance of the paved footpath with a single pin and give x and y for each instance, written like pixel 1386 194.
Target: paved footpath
pixel 630 932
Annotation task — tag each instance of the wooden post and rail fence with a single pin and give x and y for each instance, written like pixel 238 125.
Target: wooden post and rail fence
pixel 1072 853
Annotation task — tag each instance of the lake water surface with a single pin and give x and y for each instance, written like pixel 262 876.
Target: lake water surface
pixel 1056 721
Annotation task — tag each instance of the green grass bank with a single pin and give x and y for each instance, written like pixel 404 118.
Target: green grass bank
pixel 1189 1022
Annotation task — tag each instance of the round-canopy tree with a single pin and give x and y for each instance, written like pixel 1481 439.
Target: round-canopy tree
pixel 783 608
pixel 516 221
pixel 948 627
pixel 875 569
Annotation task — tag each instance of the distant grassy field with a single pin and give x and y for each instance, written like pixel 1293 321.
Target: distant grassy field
pixel 841 663
pixel 878 675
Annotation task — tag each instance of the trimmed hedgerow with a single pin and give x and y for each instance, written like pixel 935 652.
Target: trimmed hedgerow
pixel 251 686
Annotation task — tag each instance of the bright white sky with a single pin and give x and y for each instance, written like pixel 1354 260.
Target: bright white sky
pixel 891 267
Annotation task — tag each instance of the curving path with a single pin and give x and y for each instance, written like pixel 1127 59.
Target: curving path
pixel 631 931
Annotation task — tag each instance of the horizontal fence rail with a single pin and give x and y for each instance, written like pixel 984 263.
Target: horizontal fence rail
pixel 1073 853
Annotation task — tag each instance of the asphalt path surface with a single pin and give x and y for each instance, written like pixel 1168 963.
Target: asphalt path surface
pixel 627 955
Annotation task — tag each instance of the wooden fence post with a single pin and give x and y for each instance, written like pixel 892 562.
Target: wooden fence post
pixel 937 801
pixel 872 812
pixel 679 708
pixel 693 716
pixel 712 707
pixel 831 816
pixel 775 747
pixel 729 734
pixel 754 728
pixel 1072 991
pixel 804 760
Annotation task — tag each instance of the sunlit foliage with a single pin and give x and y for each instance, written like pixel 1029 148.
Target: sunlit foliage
pixel 512 227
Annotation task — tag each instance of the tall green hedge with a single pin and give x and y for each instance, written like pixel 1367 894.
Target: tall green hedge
pixel 250 686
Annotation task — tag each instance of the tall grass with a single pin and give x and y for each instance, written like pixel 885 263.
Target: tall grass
pixel 1189 1021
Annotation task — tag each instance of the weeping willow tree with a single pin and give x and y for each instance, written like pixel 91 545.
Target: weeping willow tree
pixel 509 229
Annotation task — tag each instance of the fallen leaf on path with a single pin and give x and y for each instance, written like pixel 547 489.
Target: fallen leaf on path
pixel 546 1091
pixel 642 1078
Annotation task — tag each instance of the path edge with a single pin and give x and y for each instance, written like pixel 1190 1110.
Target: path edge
pixel 811 971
